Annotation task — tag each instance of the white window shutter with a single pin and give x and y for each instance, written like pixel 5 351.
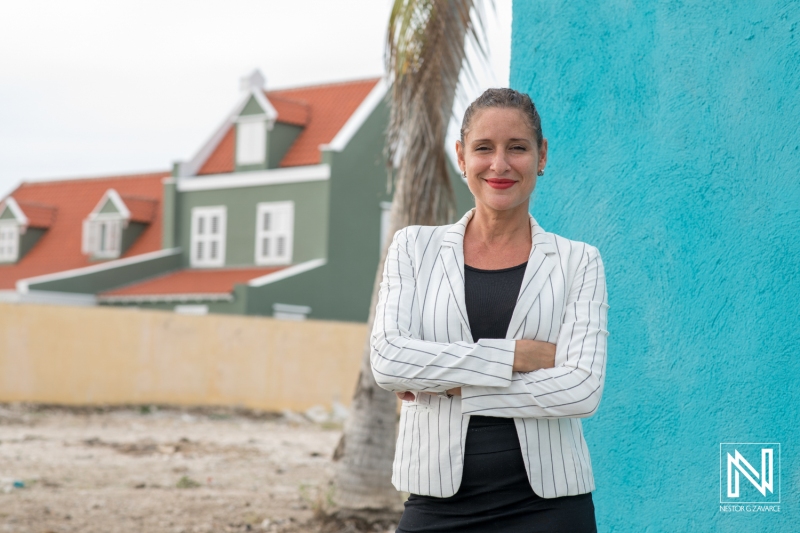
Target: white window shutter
pixel 208 233
pixel 251 142
pixel 89 240
pixel 9 242
pixel 274 233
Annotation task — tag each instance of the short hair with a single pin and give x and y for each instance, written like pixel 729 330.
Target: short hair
pixel 505 98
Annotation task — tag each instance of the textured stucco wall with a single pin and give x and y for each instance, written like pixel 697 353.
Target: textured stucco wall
pixel 674 148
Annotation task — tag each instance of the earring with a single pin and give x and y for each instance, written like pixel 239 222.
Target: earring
pixel 540 173
pixel 464 174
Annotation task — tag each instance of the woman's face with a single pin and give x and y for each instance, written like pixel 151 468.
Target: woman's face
pixel 500 158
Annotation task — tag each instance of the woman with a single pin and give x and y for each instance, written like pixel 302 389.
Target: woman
pixel 493 333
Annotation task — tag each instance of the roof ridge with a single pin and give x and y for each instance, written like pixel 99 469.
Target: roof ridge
pixel 138 197
pixel 50 181
pixel 303 103
pixel 330 84
pixel 34 204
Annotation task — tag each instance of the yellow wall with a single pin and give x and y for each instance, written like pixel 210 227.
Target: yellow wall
pixel 101 355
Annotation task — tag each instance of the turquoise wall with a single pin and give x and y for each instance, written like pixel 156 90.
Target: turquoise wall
pixel 674 148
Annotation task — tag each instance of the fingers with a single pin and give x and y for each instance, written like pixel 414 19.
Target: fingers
pixel 405 396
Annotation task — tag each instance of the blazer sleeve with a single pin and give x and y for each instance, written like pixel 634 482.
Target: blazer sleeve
pixel 401 361
pixel 574 386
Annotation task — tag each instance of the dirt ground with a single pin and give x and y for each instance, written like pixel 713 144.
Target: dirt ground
pixel 165 470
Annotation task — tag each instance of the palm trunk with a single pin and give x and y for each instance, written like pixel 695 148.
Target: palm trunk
pixel 426 50
pixel 366 449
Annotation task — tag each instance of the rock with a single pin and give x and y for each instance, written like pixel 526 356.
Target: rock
pixel 317 414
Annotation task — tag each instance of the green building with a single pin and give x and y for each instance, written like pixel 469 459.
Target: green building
pixel 281 213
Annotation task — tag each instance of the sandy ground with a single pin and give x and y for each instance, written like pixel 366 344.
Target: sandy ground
pixel 166 470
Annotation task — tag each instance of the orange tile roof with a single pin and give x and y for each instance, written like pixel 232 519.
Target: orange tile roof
pixel 38 215
pixel 322 109
pixel 193 281
pixel 221 159
pixel 331 105
pixel 142 209
pixel 290 111
pixel 60 246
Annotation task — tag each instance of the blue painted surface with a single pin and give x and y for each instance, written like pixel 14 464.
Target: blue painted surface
pixel 674 148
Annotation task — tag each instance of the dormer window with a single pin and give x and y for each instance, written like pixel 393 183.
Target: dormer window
pixel 21 226
pixel 103 237
pixel 253 121
pixel 115 223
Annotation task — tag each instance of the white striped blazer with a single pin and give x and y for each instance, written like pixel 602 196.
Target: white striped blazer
pixel 421 341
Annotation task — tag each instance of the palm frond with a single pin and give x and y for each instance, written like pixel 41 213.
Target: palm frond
pixel 425 53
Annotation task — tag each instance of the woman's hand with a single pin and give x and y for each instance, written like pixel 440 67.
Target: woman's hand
pixel 409 396
pixel 533 355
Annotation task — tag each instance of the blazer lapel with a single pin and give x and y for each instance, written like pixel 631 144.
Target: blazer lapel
pixel 451 254
pixel 540 264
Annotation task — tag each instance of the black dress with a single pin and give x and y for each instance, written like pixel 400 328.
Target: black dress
pixel 495 494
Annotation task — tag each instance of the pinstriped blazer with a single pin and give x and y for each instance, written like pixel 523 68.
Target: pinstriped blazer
pixel 421 341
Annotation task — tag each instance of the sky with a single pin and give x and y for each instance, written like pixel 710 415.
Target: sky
pixel 92 88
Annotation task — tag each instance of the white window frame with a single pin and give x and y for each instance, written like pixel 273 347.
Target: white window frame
pixel 9 241
pixel 102 235
pixel 251 140
pixel 275 209
pixel 203 240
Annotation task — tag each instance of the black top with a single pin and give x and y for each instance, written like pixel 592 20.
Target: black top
pixel 491 296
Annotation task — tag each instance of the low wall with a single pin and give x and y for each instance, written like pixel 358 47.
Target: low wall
pixel 101 355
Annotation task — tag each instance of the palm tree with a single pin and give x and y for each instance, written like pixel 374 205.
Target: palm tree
pixel 425 53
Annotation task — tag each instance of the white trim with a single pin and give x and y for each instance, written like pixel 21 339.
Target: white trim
pixel 251 118
pixel 357 119
pixel 166 298
pixel 290 312
pixel 47 297
pixel 264 103
pixel 23 284
pixel 16 210
pixel 256 178
pixel 286 272
pixel 290 308
pixel 191 309
pixel 115 198
pixel 191 167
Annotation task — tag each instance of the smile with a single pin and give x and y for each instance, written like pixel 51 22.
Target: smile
pixel 498 183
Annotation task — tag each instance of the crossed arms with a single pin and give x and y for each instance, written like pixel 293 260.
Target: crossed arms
pixel 496 377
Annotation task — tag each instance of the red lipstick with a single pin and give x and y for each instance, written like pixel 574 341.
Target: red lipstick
pixel 499 183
